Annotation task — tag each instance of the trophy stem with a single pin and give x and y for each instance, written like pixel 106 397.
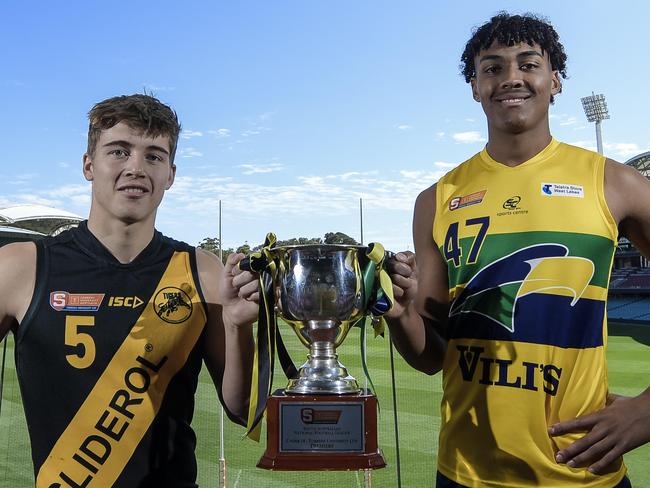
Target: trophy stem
pixel 323 373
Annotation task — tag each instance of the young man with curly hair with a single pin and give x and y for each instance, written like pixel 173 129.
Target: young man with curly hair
pixel 112 320
pixel 514 250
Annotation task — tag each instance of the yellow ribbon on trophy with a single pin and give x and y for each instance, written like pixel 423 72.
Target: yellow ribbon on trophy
pixel 378 298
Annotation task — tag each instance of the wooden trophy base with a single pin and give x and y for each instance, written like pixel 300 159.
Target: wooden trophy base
pixel 321 432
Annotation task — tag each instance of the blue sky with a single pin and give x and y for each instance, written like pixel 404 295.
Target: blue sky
pixel 292 110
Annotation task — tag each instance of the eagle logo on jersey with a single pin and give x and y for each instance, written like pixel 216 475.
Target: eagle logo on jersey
pixel 494 291
pixel 173 305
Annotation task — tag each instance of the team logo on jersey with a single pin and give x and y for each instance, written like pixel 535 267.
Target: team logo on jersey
pixel 467 200
pixel 75 302
pixel 493 292
pixel 173 305
pixel 562 190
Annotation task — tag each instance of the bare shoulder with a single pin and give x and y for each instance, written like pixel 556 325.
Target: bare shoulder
pixel 210 268
pixel 433 291
pixel 426 201
pixel 16 261
pixel 207 259
pixel 17 278
pixel 425 207
pixel 627 192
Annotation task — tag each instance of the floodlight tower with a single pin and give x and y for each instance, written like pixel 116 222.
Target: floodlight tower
pixel 596 111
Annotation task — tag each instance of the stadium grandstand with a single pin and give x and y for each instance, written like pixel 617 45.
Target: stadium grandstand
pixel 629 287
pixel 37 218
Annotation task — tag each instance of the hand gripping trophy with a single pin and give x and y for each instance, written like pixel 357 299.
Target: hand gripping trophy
pixel 322 420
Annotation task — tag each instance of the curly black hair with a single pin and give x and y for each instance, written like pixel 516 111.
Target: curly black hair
pixel 509 30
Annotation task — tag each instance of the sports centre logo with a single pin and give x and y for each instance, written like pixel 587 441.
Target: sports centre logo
pixel 511 203
pixel 172 305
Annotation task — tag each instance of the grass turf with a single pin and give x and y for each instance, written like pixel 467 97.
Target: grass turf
pixel 418 398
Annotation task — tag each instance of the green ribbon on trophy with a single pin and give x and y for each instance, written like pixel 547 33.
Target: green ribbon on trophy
pixel 376 297
pixel 379 300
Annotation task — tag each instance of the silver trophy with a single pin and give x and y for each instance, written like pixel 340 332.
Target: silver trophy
pixel 321 297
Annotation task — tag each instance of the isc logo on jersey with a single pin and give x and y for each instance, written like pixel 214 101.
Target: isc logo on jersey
pixel 128 302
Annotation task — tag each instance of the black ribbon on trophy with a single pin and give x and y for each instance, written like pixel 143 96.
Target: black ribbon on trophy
pixel 376 297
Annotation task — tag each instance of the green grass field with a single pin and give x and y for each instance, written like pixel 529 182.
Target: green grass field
pixel 418 399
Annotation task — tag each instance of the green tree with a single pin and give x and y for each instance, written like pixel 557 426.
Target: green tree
pixel 211 244
pixel 339 238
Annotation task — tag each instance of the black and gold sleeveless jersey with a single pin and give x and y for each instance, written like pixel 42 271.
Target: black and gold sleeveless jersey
pixel 108 357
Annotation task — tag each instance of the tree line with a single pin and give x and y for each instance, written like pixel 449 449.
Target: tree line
pixel 212 244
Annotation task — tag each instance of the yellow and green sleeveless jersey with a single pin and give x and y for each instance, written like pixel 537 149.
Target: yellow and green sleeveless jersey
pixel 529 251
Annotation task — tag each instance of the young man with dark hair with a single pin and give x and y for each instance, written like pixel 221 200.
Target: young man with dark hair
pixel 514 250
pixel 112 319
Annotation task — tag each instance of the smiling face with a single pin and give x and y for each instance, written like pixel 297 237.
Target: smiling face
pixel 514 85
pixel 130 172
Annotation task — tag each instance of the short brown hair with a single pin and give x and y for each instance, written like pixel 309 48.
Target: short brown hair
pixel 140 112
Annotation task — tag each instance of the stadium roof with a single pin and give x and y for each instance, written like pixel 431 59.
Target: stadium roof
pixel 641 162
pixel 6 231
pixel 38 218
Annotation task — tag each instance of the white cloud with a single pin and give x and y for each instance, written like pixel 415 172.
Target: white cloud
pixel 81 200
pixel 569 121
pixel 189 152
pixel 158 88
pixel 625 149
pixel 585 144
pixel 564 119
pixel 420 175
pixel 67 191
pixel 254 131
pixel 404 127
pixel 220 133
pixel 617 150
pixel 251 169
pixel 469 137
pixel 188 134
pixel 443 164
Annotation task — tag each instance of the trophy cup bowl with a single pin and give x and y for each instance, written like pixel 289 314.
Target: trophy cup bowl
pixel 321 297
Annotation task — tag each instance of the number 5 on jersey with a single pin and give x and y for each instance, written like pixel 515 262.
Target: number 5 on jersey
pixel 81 341
pixel 452 249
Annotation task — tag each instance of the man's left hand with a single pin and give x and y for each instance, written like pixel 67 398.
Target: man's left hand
pixel 238 293
pixel 623 425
